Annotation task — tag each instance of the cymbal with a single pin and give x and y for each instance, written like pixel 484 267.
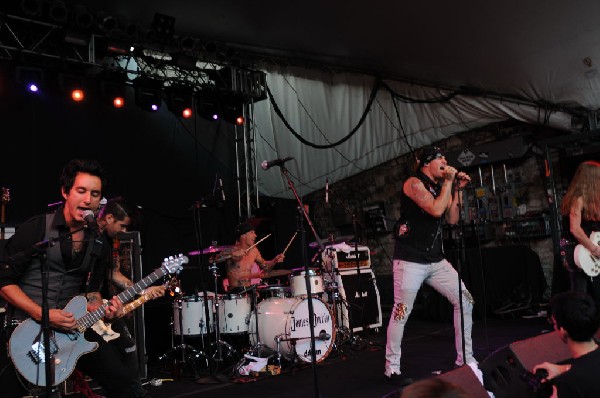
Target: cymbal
pixel 334 241
pixel 276 272
pixel 209 250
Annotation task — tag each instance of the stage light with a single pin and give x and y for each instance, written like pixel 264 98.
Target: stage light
pixel 31 78
pixel 77 95
pixel 106 22
pixel 74 85
pixel 82 18
pixel 208 104
pixel 32 8
pixel 163 26
pixel 148 93
pixel 180 99
pixel 58 12
pixel 112 87
pixel 119 102
pixel 232 110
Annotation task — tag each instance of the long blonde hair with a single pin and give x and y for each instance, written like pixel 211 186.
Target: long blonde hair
pixel 585 184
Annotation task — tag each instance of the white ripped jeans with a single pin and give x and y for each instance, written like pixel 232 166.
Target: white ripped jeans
pixel 408 278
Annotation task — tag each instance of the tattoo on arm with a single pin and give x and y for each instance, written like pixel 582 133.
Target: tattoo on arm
pixel 93 297
pixel 419 194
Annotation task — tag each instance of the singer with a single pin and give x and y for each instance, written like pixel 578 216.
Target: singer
pixel 427 198
pixel 69 264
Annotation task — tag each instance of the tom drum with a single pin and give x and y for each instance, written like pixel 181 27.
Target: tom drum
pixel 192 315
pixel 234 312
pixel 298 282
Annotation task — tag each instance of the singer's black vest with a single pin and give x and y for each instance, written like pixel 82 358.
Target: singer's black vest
pixel 63 284
pixel 421 240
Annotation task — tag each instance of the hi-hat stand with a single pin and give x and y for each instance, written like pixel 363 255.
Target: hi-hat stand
pixel 219 346
pixel 183 356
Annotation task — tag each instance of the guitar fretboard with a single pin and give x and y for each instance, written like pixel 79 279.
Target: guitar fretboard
pixel 125 296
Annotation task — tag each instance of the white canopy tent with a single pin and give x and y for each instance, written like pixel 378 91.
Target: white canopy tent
pixel 323 108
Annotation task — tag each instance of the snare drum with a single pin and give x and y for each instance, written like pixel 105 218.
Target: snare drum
pixel 234 311
pixel 266 292
pixel 192 315
pixel 287 320
pixel 298 282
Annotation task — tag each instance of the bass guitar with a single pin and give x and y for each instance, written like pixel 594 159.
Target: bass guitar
pixel 26 345
pixel 585 260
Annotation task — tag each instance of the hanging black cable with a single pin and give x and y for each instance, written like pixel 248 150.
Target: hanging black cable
pixel 346 138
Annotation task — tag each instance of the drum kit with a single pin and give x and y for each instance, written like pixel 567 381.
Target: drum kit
pixel 271 318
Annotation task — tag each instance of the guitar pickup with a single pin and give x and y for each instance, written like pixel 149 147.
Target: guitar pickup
pixel 37 351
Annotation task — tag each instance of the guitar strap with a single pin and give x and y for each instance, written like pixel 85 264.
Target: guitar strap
pixel 93 251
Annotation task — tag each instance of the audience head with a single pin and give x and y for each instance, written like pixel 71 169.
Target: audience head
pixel 576 313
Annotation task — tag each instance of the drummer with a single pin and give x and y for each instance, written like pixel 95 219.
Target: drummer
pixel 240 273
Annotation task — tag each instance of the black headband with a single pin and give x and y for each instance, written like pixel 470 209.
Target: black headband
pixel 242 229
pixel 430 154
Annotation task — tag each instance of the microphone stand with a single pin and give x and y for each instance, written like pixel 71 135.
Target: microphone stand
pixel 212 377
pixel 311 312
pixel 40 249
pixel 460 258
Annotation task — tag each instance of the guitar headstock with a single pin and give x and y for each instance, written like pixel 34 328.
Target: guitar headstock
pixel 5 195
pixel 173 264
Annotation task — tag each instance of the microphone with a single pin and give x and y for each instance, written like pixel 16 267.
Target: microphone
pixel 456 177
pixel 90 220
pixel 266 165
pixel 324 336
pixel 221 188
pixel 326 190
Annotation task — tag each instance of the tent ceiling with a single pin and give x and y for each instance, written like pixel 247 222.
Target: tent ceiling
pixel 534 49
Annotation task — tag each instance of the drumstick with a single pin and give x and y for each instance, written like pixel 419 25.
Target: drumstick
pixel 254 245
pixel 290 242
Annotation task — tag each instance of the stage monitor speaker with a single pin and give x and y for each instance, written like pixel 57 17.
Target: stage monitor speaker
pixel 503 370
pixel 465 378
pixel 359 292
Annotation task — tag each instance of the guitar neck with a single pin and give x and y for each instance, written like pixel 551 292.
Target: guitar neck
pixel 127 308
pixel 125 296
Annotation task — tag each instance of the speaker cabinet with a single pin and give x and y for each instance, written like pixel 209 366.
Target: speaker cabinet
pixel 503 369
pixel 464 378
pixel 131 266
pixel 361 304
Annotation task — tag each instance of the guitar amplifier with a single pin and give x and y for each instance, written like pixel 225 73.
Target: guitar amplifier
pixel 361 304
pixel 345 257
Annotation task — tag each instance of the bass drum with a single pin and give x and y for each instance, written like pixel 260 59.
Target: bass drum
pixel 287 319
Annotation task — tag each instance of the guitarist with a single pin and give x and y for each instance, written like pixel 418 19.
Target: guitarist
pixel 75 265
pixel 581 215
pixel 115 217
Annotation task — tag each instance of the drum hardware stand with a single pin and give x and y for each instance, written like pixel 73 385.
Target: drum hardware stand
pixel 219 344
pixel 257 349
pixel 182 355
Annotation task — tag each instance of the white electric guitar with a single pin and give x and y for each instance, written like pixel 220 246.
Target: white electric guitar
pixel 105 330
pixel 585 260
pixel 26 345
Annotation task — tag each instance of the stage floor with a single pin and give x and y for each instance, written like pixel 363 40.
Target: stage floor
pixel 355 370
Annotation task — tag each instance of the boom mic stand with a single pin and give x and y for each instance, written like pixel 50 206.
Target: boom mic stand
pixel 311 312
pixel 40 249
